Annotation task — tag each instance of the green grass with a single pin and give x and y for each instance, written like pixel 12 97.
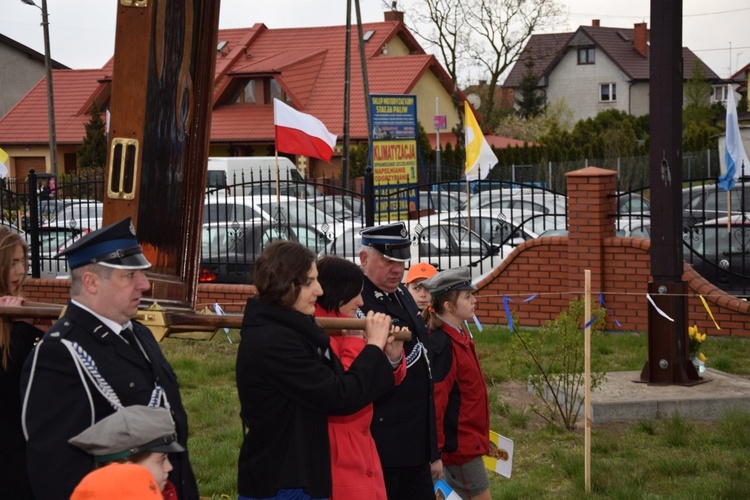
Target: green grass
pixel 669 458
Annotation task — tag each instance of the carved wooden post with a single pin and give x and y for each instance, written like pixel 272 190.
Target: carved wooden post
pixel 160 122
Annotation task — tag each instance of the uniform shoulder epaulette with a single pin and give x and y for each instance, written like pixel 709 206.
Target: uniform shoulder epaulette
pixel 60 329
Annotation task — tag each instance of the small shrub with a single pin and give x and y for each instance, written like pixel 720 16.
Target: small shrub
pixel 559 378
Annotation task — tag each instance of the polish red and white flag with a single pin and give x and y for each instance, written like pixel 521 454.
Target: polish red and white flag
pixel 301 134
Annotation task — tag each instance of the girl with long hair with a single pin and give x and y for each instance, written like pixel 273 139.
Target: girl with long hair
pixel 17 339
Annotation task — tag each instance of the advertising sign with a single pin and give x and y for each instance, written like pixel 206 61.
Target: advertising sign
pixel 394 155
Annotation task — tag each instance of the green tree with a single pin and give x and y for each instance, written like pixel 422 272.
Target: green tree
pixel 698 129
pixel 93 150
pixel 358 160
pixel 532 101
pixel 424 145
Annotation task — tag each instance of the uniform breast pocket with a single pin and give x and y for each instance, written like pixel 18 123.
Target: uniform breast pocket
pixel 132 386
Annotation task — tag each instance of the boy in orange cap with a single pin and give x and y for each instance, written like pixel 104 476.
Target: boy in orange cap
pixel 414 278
pixel 118 482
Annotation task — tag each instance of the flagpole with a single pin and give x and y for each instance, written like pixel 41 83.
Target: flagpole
pixel 278 184
pixel 729 211
pixel 468 206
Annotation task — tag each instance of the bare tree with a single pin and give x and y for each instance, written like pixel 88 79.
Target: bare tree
pixel 488 34
pixel 500 30
pixel 441 24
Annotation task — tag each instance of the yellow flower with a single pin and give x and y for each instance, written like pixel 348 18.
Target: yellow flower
pixel 701 357
pixel 692 330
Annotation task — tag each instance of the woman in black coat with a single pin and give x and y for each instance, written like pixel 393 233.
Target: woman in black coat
pixel 289 381
pixel 17 339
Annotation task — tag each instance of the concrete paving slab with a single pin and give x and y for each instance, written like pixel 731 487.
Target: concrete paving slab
pixel 620 397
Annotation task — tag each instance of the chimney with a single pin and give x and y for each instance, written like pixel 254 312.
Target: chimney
pixel 595 23
pixel 394 14
pixel 640 39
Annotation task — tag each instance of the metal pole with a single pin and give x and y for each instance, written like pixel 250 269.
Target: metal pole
pixel 437 150
pixel 50 95
pixel 347 76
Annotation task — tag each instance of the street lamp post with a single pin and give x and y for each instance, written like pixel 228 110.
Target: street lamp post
pixel 50 96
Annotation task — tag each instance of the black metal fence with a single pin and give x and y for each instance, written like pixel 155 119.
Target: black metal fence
pixel 51 216
pixel 243 216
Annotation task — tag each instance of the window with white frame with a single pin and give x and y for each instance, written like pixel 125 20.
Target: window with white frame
pixel 720 93
pixel 586 55
pixel 607 92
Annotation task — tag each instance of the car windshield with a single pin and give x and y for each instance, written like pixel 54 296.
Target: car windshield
pixel 225 239
pixel 297 212
pixel 491 229
pixel 332 206
pixel 228 212
pixel 81 211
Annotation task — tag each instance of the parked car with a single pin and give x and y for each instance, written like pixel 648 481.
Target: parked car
pixel 526 200
pixel 54 239
pixel 632 204
pixel 720 252
pixel 707 202
pixel 497 230
pixel 335 205
pixel 82 214
pixel 231 209
pixel 48 209
pixel 298 212
pixel 229 249
pixel 444 245
pixel 535 222
pixel 439 201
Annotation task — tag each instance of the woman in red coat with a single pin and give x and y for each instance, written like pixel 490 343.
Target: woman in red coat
pixel 355 465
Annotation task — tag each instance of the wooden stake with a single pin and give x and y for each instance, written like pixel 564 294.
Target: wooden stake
pixel 587 381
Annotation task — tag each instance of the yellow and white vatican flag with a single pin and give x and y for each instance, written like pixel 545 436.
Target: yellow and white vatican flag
pixel 479 156
pixel 4 164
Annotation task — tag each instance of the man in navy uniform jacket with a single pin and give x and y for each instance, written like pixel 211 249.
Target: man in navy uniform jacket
pixel 403 423
pixel 94 360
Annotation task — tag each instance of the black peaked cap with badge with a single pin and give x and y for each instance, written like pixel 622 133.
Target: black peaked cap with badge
pixel 458 278
pixel 112 246
pixel 391 240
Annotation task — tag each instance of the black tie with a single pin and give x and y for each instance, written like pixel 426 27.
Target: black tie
pixel 394 298
pixel 128 335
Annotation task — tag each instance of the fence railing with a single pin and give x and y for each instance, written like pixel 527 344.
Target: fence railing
pixel 242 218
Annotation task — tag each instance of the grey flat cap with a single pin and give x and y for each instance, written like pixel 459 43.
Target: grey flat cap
pixel 130 430
pixel 450 279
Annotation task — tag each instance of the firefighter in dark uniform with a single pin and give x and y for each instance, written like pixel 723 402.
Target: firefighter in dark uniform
pixel 403 423
pixel 94 360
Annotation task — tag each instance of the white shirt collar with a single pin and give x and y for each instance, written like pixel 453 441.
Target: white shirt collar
pixel 109 323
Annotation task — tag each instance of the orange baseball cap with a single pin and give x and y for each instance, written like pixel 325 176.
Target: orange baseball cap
pixel 420 270
pixel 118 482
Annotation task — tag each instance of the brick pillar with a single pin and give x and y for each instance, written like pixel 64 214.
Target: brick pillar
pixel 591 210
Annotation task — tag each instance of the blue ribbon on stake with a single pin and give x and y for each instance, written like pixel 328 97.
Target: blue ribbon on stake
pixel 604 306
pixel 506 300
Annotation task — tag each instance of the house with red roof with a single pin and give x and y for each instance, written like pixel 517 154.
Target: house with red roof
pixel 303 67
pixel 595 68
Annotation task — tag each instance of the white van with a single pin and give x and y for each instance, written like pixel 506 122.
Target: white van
pixel 258 173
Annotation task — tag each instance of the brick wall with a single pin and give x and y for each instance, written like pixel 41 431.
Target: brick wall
pixel 552 268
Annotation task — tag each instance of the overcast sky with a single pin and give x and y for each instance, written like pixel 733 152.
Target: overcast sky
pixel 82 32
